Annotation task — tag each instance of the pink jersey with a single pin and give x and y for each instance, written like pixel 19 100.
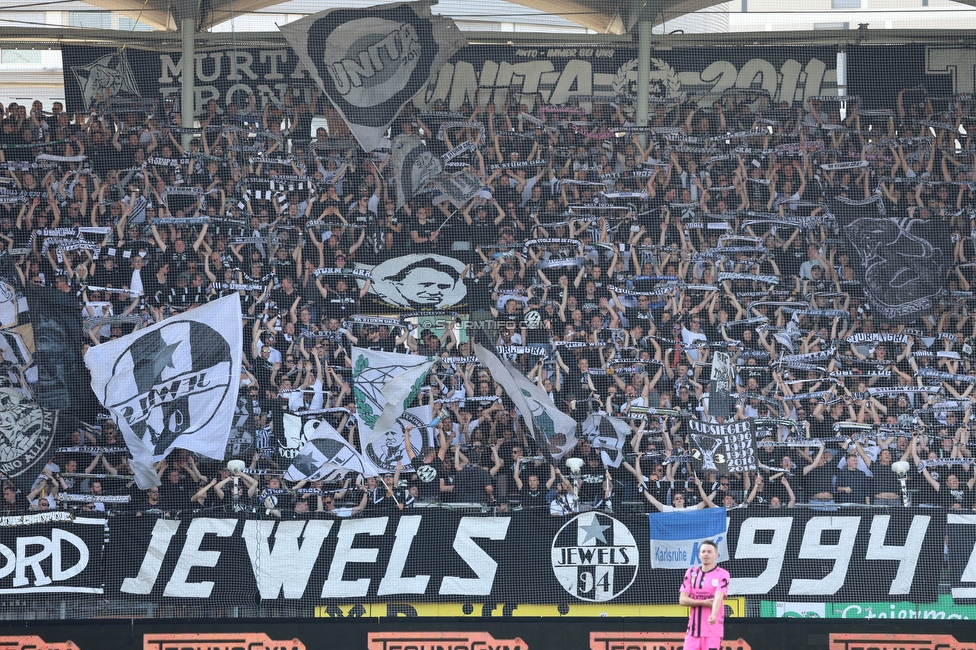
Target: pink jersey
pixel 701 585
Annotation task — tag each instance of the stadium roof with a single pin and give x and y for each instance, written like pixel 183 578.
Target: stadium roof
pixel 602 16
pixel 611 20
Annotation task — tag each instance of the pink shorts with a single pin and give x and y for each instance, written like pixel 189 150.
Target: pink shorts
pixel 703 643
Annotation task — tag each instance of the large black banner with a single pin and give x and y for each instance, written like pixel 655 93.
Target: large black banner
pixel 477 74
pixel 902 260
pixel 440 556
pixel 939 70
pixel 62 379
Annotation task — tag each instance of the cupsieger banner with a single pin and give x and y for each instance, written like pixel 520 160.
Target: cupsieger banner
pixel 475 73
pixel 723 448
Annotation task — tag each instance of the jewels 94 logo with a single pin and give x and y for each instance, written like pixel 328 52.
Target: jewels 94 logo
pixel 595 557
pixel 27 642
pixel 210 641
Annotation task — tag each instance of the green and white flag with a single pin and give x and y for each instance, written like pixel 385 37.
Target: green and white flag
pixel 384 384
pixel 551 428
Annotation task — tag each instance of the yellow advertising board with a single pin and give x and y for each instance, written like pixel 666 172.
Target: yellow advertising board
pixel 734 608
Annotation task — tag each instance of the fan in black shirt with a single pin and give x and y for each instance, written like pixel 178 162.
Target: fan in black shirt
pixel 532 492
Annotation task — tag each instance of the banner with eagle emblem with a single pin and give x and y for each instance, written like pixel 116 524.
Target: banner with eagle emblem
pixel 385 384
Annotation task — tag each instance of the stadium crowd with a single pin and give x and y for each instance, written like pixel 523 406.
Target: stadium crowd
pixel 616 262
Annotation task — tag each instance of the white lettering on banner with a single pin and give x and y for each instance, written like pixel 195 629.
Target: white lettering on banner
pixel 297 559
pixel 812 548
pixel 162 535
pixel 958 62
pixel 469 529
pixel 266 562
pixel 26 558
pixel 827 554
pixel 223 66
pixel 193 556
pixel 841 552
pixel 349 73
pixel 460 82
pixel 720 429
pixel 273 57
pixel 335 586
pixel 969 573
pixel 394 582
pixel 775 553
pixel 556 79
pixel 906 556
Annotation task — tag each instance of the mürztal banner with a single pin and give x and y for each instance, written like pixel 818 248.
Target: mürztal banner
pixel 943 609
pixel 476 74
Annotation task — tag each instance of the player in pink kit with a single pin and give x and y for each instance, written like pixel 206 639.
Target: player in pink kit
pixel 704 592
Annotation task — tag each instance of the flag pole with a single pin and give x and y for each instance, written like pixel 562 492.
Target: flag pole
pixel 448 219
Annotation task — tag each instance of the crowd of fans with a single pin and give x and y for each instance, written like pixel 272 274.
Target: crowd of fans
pixel 614 262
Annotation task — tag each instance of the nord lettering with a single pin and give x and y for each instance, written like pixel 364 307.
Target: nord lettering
pixel 33 551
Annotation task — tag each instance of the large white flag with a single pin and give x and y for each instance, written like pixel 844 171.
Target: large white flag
pixel 325 454
pixel 383 384
pixel 551 428
pixel 371 61
pixel 173 384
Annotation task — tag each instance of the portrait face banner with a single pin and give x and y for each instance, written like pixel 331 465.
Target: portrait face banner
pixel 174 384
pixel 475 74
pixel 417 283
pixel 371 62
pixel 28 434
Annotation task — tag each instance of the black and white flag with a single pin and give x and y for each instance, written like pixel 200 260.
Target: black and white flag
pixel 608 434
pixel 459 188
pixel 28 435
pixel 723 448
pixel 904 261
pixel 721 401
pixel 414 166
pixel 371 62
pixel 174 384
pixel 325 455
